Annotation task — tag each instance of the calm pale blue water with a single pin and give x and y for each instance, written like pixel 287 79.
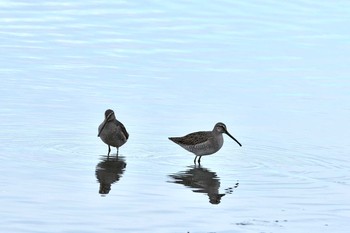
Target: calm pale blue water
pixel 276 73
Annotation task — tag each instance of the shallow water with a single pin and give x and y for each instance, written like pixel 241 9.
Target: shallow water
pixel 274 73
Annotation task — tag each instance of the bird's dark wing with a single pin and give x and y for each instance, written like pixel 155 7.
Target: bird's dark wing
pixel 192 138
pixel 122 127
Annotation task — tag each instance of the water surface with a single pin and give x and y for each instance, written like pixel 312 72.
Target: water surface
pixel 275 73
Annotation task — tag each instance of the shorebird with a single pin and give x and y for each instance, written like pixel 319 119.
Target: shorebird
pixel 112 132
pixel 204 142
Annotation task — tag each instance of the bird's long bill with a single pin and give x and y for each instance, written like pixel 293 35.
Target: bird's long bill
pixel 104 124
pixel 233 138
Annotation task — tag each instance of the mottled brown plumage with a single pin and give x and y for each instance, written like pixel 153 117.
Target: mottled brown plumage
pixel 192 138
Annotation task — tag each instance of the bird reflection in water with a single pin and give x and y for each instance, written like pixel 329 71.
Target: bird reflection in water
pixel 202 180
pixel 109 171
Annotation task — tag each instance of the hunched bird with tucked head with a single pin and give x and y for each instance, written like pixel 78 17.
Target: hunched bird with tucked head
pixel 204 142
pixel 112 132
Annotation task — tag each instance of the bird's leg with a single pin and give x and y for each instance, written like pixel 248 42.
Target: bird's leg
pixel 199 160
pixel 195 159
pixel 109 150
pixel 117 151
